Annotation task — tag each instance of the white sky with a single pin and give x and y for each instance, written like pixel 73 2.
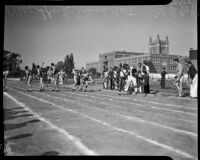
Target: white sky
pixel 48 33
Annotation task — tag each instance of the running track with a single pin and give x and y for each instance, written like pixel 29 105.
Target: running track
pixel 103 123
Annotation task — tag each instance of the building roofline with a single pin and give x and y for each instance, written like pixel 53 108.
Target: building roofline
pixel 92 62
pixel 126 52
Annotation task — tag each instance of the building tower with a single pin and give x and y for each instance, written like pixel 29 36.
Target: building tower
pixel 159 46
pixel 150 45
pixel 166 45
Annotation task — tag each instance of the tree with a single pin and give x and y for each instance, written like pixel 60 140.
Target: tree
pixel 60 65
pixel 46 69
pixel 93 71
pixel 66 69
pixel 69 64
pixel 151 67
pixel 11 60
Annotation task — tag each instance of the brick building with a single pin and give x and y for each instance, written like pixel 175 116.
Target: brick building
pixel 93 64
pixel 158 57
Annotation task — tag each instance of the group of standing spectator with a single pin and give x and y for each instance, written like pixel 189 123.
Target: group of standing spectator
pixel 127 78
pixel 179 77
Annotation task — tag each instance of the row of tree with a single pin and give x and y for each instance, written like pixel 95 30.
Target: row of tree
pixel 67 65
pixel 12 62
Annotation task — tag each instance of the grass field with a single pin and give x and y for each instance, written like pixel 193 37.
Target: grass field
pixel 99 122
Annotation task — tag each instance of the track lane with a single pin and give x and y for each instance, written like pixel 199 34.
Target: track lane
pixel 191 129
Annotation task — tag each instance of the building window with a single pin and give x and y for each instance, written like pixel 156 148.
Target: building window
pixel 129 61
pixel 164 59
pixel 174 68
pixel 134 60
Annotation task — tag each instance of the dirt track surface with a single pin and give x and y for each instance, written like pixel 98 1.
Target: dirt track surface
pixel 98 123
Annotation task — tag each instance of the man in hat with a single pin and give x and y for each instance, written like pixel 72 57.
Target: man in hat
pixel 162 82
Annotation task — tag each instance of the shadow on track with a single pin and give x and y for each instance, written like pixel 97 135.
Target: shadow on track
pixel 11 126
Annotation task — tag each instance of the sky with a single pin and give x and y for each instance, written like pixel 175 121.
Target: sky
pixel 48 33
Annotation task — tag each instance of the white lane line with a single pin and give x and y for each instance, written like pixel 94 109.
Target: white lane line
pixel 172 95
pixel 142 100
pixel 114 105
pixel 153 102
pixel 119 105
pixel 127 117
pixel 75 140
pixel 154 142
pixel 142 105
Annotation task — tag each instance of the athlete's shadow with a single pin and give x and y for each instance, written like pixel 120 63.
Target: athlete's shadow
pixel 20 136
pixel 50 153
pixel 9 114
pixel 11 126
pixel 154 92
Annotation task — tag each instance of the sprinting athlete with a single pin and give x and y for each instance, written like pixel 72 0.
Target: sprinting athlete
pixel 40 75
pixel 29 76
pixel 76 79
pixel 61 75
pixel 5 74
pixel 86 79
pixel 55 77
pixel 49 75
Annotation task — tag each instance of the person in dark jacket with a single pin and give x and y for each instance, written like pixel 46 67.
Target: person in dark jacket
pixel 162 82
pixel 146 82
pixel 192 79
pixel 140 78
pixel 122 78
pixel 111 78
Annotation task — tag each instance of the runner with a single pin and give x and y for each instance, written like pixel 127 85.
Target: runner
pixel 55 77
pixel 49 76
pixel 29 77
pixel 5 74
pixel 40 74
pixel 76 79
pixel 61 75
pixel 86 79
pixel 83 77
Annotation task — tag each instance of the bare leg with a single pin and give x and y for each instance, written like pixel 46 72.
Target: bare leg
pixel 28 83
pixel 180 88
